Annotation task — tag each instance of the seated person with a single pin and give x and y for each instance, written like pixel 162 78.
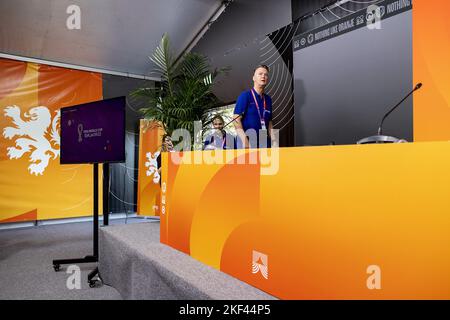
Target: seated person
pixel 166 146
pixel 219 139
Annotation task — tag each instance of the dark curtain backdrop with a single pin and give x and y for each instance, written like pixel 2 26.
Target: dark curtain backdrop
pixel 123 176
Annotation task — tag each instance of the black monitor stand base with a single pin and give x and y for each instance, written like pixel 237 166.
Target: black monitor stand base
pixel 92 258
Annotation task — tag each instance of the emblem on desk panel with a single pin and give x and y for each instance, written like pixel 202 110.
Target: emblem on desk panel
pixel 152 166
pixel 260 264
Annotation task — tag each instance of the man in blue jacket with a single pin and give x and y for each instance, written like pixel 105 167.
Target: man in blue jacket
pixel 253 113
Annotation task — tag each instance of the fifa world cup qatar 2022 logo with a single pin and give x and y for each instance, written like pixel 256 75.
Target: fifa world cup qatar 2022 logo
pixel 80 132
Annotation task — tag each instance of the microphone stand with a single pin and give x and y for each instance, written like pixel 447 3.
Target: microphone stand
pixel 380 128
pixel 380 138
pixel 239 115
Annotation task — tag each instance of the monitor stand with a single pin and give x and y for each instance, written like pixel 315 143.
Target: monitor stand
pixel 94 257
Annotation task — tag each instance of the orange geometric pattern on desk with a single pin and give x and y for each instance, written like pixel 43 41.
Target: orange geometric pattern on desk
pixel 334 222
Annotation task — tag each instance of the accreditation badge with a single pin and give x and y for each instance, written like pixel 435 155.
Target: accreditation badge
pixel 263 125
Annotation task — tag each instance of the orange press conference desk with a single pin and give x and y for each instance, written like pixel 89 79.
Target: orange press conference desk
pixel 332 222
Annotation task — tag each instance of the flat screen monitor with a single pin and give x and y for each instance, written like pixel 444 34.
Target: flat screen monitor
pixel 93 132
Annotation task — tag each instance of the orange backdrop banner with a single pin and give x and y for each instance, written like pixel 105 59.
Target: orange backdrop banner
pixel 340 222
pixel 431 42
pixel 33 185
pixel 148 176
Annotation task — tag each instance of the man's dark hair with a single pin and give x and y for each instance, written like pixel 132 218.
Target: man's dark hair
pixel 262 66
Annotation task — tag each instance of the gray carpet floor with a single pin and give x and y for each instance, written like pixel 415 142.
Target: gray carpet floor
pixel 26 256
pixel 133 261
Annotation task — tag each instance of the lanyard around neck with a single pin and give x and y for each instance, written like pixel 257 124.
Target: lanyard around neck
pixel 257 105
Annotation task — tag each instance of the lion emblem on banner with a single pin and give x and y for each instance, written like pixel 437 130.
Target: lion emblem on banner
pixel 152 166
pixel 37 135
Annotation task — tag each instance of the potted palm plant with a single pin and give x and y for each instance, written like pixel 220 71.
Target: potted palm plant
pixel 184 94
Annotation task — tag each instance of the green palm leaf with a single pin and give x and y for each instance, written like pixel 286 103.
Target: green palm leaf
pixel 184 93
